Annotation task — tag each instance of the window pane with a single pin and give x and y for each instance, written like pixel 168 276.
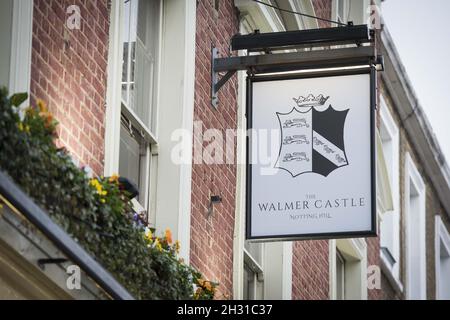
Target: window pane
pixel 129 38
pixel 141 30
pixel 129 156
pixel 131 161
pixel 125 66
pixel 143 93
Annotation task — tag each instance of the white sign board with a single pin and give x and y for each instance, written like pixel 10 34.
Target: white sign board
pixel 310 171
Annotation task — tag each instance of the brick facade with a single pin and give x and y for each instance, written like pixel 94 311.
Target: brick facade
pixel 68 72
pixel 310 270
pixel 212 237
pixel 323 9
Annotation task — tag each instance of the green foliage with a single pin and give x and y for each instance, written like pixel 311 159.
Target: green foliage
pixel 96 213
pixel 18 99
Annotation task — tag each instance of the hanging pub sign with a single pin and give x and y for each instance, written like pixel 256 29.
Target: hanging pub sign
pixel 310 156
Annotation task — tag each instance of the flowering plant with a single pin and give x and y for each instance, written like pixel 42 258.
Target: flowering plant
pixel 97 212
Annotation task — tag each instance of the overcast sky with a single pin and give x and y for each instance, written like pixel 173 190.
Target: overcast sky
pixel 422 36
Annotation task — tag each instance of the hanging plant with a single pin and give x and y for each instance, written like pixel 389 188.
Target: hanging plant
pixel 97 212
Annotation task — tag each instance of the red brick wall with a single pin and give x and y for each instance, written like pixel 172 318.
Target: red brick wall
pixel 68 72
pixel 322 9
pixel 212 238
pixel 310 273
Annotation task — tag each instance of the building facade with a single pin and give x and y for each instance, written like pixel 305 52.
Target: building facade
pixel 130 84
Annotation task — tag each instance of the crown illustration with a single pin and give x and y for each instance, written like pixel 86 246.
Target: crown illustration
pixel 311 100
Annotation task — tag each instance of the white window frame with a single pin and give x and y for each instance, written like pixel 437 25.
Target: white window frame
pixel 170 203
pixel 149 169
pixel 354 252
pixel 278 270
pixel 21 45
pixel 258 272
pixel 442 235
pixel 414 180
pixel 335 13
pixel 390 128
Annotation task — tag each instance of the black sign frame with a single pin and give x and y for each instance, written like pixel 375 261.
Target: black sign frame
pixel 249 117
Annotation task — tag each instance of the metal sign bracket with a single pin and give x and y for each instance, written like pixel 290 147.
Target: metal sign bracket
pixel 296 53
pixel 217 83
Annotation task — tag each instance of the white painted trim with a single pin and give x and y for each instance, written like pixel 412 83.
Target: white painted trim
pixel 334 13
pixel 278 270
pixel 355 255
pixel 175 114
pixel 395 282
pixel 239 220
pixel 332 269
pixel 412 175
pixel 441 234
pixel 113 90
pixel 384 190
pixel 286 271
pixel 184 221
pixel 21 43
pixel 389 125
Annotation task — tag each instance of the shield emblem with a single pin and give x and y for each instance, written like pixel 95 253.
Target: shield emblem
pixel 311 140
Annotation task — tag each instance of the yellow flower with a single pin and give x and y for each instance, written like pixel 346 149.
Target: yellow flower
pixel 168 236
pixel 42 106
pixel 114 178
pixel 177 246
pixel 200 282
pixel 207 285
pixel 20 126
pixel 102 200
pixel 96 185
pixel 158 244
pixel 27 128
pixel 148 235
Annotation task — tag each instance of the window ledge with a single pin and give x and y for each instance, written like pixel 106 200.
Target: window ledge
pixel 252 263
pixel 387 271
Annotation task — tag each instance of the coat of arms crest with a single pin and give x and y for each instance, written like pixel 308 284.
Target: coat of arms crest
pixel 312 140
